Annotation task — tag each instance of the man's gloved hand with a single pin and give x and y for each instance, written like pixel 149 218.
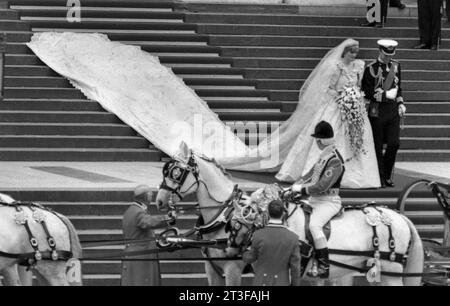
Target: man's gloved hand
pixel 401 110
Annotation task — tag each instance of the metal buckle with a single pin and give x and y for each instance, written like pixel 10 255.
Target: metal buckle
pixel 51 242
pixel 33 242
pixel 38 255
pixel 55 255
pixel 392 244
pixel 376 242
pixel 392 256
pixel 376 254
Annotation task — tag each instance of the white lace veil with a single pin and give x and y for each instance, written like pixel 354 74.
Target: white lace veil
pixel 313 94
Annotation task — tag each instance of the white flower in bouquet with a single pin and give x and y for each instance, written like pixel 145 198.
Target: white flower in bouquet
pixel 352 108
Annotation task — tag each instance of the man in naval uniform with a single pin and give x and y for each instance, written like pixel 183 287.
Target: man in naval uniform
pixel 138 224
pixel 275 252
pixel 321 185
pixel 381 84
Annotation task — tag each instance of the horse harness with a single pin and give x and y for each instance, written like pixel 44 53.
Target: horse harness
pixel 21 218
pixel 177 172
pixel 373 219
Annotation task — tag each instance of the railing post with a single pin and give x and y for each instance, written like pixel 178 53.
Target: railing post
pixel 2 63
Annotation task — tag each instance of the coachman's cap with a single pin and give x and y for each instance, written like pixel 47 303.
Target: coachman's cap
pixel 387 46
pixel 141 191
pixel 323 130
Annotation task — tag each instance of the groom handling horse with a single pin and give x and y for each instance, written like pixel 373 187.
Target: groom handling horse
pixel 322 185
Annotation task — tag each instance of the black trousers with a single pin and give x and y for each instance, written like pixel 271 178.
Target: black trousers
pixel 386 130
pixel 447 9
pixel 429 21
pixel 384 10
pixel 395 2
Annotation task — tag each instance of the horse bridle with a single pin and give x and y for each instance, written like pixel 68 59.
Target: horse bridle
pixel 177 173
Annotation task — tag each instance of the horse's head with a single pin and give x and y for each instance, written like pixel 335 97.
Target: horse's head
pixel 241 226
pixel 180 178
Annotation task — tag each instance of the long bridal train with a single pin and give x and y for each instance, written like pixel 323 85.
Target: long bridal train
pixel 150 98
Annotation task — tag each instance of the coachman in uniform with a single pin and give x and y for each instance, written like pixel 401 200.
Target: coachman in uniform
pixel 381 84
pixel 321 185
pixel 138 224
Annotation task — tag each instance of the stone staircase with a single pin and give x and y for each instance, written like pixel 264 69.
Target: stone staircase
pixel 246 61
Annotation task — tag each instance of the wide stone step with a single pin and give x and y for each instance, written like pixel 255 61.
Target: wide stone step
pixel 318 52
pixel 252 115
pixel 310 63
pixel 99 12
pixel 413 96
pixel 425 143
pixel 55 82
pixel 50 105
pixel 109 24
pixel 295 84
pixel 280 73
pixel 423 155
pixel 58 117
pixel 28 128
pixel 302 41
pixel 20 141
pixel 100 3
pixel 290 19
pixel 426 131
pixel 14 25
pixel 129 36
pixel 413 107
pixel 6 14
pixel 238 8
pixel 78 154
pixel 20 48
pixel 304 30
pixel 242 104
pixel 28 59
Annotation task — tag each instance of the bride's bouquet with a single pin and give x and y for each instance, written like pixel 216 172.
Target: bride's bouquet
pixel 353 113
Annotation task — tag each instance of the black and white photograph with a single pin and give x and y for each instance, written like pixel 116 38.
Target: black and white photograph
pixel 222 148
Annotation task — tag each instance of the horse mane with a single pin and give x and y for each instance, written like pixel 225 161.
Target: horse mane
pixel 215 163
pixel 4 198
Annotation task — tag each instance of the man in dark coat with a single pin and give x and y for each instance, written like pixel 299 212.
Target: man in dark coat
pixel 447 9
pixel 139 224
pixel 429 23
pixel 275 252
pixel 381 84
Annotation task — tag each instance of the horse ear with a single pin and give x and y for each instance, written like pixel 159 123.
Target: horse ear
pixel 183 152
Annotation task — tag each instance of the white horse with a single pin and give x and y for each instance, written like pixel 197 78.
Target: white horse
pixel 15 240
pixel 190 173
pixel 351 232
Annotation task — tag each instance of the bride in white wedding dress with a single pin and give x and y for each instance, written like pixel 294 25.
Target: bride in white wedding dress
pixel 297 151
pixel 151 99
pixel 346 71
